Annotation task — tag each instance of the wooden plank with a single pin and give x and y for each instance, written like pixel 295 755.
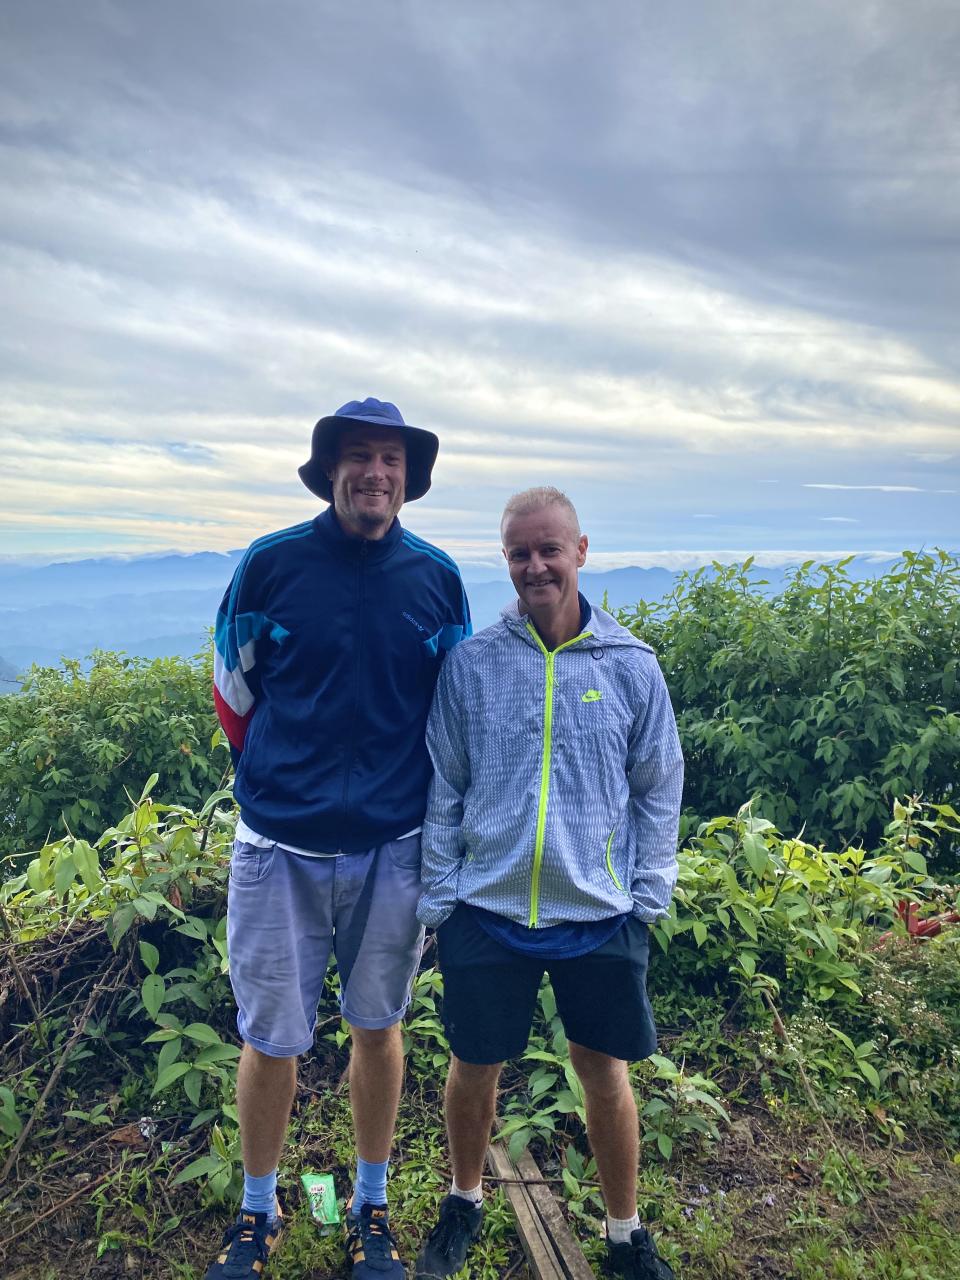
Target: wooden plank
pixel 534 1237
pixel 565 1244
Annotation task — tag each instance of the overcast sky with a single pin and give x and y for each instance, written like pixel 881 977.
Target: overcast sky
pixel 698 264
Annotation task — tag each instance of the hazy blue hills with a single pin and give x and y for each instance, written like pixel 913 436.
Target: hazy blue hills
pixel 22 586
pixel 154 606
pixel 157 605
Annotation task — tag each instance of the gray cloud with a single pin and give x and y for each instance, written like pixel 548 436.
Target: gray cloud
pixel 656 255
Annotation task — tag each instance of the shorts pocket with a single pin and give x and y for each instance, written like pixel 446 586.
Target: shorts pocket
pixel 405 853
pixel 251 864
pixel 640 931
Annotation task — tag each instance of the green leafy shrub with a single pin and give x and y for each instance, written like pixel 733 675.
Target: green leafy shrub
pixel 755 916
pixel 74 745
pixel 760 912
pixel 157 880
pixel 825 702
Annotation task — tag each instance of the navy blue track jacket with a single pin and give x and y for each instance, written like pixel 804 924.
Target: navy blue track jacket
pixel 327 652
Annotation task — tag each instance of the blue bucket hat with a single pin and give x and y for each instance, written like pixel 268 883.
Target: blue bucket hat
pixel 421 445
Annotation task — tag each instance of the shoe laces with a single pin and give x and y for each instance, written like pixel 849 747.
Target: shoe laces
pixel 247 1245
pixel 374 1235
pixel 453 1221
pixel 647 1262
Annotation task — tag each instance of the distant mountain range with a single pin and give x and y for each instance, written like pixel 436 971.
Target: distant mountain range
pixel 154 606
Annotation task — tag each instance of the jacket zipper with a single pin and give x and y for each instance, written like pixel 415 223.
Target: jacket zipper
pixel 348 754
pixel 613 874
pixel 549 655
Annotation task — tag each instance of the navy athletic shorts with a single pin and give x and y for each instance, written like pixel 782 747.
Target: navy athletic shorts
pixel 490 993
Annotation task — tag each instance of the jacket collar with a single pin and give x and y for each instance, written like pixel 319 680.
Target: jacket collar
pixel 331 531
pixel 603 630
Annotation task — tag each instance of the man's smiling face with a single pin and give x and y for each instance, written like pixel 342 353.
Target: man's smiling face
pixel 369 480
pixel 544 551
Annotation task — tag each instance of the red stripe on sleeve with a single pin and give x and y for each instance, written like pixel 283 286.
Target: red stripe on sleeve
pixel 234 726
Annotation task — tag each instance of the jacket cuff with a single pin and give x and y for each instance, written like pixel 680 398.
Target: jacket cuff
pixel 433 914
pixel 646 915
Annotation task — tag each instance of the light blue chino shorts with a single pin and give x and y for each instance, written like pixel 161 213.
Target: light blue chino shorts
pixel 287 912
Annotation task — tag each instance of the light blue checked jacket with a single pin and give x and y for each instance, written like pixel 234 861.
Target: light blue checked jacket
pixel 557 778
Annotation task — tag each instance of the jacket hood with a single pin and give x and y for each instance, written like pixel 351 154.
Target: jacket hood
pixel 604 631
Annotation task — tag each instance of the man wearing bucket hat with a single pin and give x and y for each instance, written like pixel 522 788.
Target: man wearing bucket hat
pixel 328 646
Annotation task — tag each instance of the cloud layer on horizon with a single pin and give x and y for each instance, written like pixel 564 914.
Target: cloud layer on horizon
pixel 685 268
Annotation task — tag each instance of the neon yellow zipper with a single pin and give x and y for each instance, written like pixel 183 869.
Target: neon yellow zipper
pixel 549 655
pixel 613 874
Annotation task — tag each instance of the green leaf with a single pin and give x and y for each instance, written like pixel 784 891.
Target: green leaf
pixel 869 1073
pixel 120 922
pixel 828 937
pixel 88 865
pixel 665 1143
pixel 150 783
pixel 169 1075
pixel 200 1168
pixel 745 921
pixel 35 878
pixel 170 1052
pixel 755 852
pixel 566 1103
pixel 849 982
pixel 202 1033
pixel 149 955
pixel 64 874
pixel 10 1122
pixel 574 1162
pixel 204 1117
pixel 748 962
pixel 518 1140
pixel 916 861
pixel 705 1100
pixel 145 906
pixel 216 1053
pixel 152 993
pixel 193 927
pixel 541 1083
pixel 192 1084
pixel 700 932
pixel 842 1037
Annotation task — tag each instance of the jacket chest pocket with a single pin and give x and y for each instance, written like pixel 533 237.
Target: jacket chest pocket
pixel 586 712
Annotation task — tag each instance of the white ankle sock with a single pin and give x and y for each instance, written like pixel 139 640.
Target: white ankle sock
pixel 619 1230
pixel 475 1196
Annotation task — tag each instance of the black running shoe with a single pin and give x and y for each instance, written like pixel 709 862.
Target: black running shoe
pixel 445 1252
pixel 247 1245
pixel 371 1247
pixel 637 1260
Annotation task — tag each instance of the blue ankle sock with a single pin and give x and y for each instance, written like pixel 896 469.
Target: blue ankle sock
pixel 260 1194
pixel 370 1185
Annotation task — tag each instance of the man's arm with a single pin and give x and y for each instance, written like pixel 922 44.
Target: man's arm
pixel 655 778
pixel 236 682
pixel 442 850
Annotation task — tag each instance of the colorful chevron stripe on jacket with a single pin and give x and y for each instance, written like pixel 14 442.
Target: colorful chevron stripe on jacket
pixel 327 651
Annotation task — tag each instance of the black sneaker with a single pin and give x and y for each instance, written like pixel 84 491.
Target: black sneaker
pixel 247 1245
pixel 639 1259
pixel 445 1252
pixel 371 1247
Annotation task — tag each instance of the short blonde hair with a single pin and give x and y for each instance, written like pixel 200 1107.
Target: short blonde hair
pixel 530 500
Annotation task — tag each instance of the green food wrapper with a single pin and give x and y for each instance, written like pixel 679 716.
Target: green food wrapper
pixel 323 1199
